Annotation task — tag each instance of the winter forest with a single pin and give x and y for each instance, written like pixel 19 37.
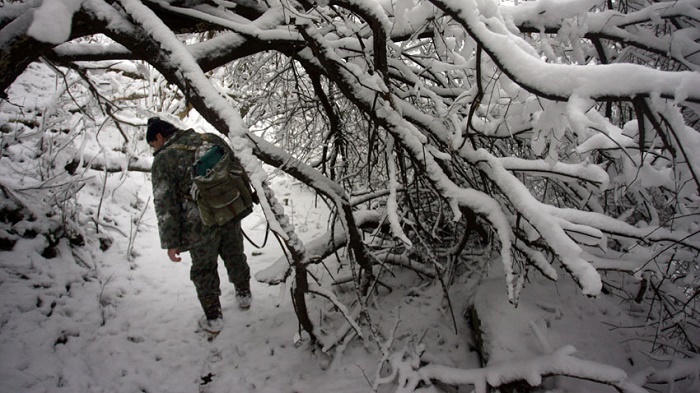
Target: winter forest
pixel 510 194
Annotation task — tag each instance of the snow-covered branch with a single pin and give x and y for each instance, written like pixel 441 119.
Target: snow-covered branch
pixel 560 362
pixel 318 249
pixel 560 82
pixel 634 28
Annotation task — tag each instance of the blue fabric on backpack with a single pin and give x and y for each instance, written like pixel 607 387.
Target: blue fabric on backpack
pixel 202 166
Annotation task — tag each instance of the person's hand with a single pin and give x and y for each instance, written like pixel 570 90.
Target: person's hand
pixel 174 254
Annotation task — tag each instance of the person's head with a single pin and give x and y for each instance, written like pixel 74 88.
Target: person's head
pixel 158 132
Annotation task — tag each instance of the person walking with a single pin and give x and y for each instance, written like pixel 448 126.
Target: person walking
pixel 180 227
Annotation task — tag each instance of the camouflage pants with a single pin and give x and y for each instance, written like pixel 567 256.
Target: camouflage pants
pixel 225 241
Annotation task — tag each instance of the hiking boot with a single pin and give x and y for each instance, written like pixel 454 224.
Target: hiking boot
pixel 212 326
pixel 244 298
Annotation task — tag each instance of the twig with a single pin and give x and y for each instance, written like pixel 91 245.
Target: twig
pixel 133 231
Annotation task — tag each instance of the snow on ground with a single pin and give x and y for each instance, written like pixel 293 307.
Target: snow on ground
pixel 129 326
pixel 552 316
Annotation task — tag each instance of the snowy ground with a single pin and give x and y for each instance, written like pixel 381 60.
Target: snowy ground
pixel 109 324
pixel 116 325
pixel 129 326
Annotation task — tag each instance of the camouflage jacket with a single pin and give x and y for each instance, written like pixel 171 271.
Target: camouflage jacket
pixel 179 224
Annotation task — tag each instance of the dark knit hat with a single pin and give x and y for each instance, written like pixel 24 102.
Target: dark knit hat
pixel 157 126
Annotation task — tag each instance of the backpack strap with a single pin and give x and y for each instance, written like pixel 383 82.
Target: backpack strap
pixel 183 147
pixel 206 137
pixel 179 146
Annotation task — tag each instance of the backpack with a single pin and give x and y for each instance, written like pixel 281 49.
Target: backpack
pixel 220 186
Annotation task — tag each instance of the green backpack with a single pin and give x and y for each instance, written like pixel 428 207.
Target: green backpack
pixel 220 187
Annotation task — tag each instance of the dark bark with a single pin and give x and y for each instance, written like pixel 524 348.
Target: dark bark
pixel 18 50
